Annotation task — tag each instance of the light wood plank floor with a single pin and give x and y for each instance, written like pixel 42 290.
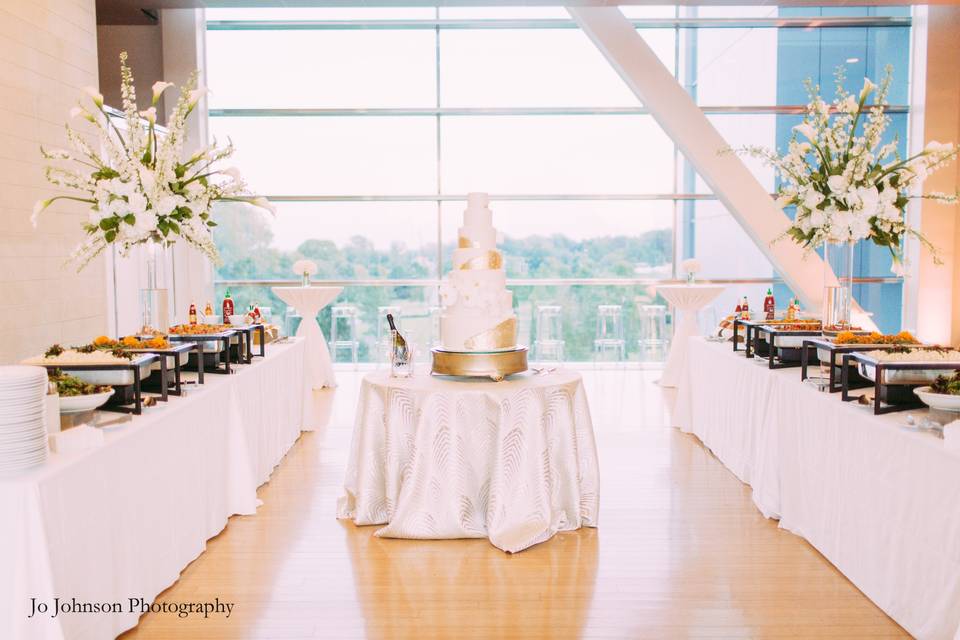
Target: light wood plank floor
pixel 680 553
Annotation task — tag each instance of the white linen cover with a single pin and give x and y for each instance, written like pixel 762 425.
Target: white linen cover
pixel 122 520
pixel 308 301
pixel 687 300
pixel 877 500
pixel 433 458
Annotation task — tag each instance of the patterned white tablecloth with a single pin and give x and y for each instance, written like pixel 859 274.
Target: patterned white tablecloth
pixel 435 458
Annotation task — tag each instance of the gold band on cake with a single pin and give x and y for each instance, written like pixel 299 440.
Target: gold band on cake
pixel 502 336
pixel 490 260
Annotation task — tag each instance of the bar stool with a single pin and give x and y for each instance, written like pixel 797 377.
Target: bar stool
pixel 653 340
pixel 343 331
pixel 384 339
pixel 610 332
pixel 549 344
pixel 291 321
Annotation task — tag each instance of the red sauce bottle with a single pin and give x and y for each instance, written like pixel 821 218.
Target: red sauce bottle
pixel 769 305
pixel 192 314
pixel 227 307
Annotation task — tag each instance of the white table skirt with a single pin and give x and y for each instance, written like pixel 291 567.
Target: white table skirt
pixel 877 500
pixel 308 301
pixel 433 458
pixel 122 520
pixel 687 300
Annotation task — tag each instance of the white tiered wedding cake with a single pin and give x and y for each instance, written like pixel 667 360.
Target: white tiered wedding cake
pixel 477 312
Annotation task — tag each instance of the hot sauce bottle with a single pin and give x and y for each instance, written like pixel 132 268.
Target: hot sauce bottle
pixel 227 307
pixel 745 309
pixel 192 314
pixel 770 305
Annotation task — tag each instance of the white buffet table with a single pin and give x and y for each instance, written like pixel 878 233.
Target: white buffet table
pixel 434 458
pixel 877 500
pixel 122 520
pixel 308 301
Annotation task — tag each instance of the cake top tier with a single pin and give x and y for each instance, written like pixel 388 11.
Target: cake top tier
pixel 477 200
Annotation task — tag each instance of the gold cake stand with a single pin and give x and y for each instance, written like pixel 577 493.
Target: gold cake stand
pixel 495 365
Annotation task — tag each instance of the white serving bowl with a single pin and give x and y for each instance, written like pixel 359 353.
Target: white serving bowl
pixel 942 401
pixel 79 404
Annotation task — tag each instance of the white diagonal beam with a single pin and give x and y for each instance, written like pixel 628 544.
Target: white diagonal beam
pixel 727 175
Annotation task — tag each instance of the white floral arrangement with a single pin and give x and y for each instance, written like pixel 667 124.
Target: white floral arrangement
pixel 845 183
pixel 139 188
pixel 305 267
pixel 691 266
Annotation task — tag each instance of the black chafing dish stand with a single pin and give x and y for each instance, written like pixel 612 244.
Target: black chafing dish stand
pixel 221 337
pixel 888 398
pixel 856 381
pixel 133 366
pixel 783 357
pixel 748 327
pixel 174 351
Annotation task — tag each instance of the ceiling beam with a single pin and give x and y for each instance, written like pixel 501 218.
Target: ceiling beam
pixel 727 176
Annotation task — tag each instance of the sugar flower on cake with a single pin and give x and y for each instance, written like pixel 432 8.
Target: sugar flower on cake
pixel 847 181
pixel 133 175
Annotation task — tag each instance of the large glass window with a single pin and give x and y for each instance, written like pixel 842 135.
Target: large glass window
pixel 369 125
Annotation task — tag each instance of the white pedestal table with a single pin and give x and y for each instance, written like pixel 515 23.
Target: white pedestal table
pixel 308 301
pixel 687 299
pixel 436 458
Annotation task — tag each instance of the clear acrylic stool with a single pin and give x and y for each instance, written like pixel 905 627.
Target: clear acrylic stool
pixel 609 337
pixel 549 344
pixel 343 331
pixel 384 339
pixel 435 326
pixel 653 340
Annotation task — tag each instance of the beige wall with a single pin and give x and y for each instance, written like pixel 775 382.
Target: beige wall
pixel 48 51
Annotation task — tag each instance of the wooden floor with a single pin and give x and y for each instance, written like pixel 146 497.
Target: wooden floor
pixel 680 553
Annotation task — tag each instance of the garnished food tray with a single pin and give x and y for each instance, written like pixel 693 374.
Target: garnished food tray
pixel 894 380
pixel 829 354
pixel 132 371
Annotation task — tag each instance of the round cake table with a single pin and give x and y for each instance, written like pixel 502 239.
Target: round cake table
pixel 687 299
pixel 308 301
pixel 436 458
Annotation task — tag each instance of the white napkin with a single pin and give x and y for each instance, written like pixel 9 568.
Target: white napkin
pixel 951 435
pixel 76 439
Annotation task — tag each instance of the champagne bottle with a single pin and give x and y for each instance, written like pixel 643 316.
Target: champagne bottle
pixel 399 343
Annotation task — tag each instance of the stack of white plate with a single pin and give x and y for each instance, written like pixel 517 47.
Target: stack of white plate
pixel 23 435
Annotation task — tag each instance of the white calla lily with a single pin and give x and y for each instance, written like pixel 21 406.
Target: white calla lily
pixel 158 88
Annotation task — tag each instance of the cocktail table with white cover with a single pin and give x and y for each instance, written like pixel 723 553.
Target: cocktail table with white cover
pixel 438 458
pixel 687 299
pixel 308 301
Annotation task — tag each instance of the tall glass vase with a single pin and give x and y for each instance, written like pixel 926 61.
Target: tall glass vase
pixel 838 284
pixel 154 295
